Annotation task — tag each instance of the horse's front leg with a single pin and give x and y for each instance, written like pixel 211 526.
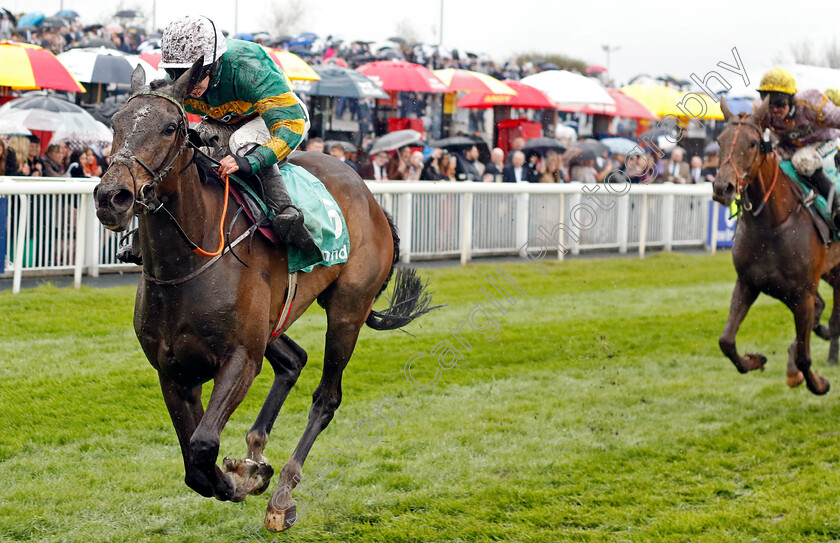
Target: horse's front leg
pixel 230 385
pixel 743 296
pixel 186 411
pixel 803 315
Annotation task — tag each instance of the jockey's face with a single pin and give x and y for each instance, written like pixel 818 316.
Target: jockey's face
pixel 779 106
pixel 200 87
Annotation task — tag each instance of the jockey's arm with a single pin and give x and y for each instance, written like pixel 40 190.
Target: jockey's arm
pixel 284 116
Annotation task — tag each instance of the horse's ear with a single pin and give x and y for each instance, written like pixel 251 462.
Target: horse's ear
pixel 725 109
pixel 138 79
pixel 188 80
pixel 761 110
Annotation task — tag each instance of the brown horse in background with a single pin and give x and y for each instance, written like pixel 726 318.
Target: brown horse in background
pixel 777 249
pixel 198 321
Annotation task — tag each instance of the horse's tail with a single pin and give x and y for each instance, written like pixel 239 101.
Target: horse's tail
pixel 410 298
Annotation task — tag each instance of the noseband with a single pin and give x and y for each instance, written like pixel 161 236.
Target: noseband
pixel 145 197
pixel 743 179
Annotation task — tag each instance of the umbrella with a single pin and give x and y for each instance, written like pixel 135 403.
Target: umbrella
pixel 46 112
pixel 455 142
pixel 713 148
pixel 469 81
pixel 104 65
pixel 739 105
pixel 303 40
pixel 395 140
pixel 94 42
pixel 53 22
pixel 67 14
pixel 99 136
pixel 30 19
pixel 542 145
pixel 397 39
pixel 245 36
pixel 13 128
pixel 292 65
pixel 128 14
pixel 92 28
pixel 576 155
pixel 620 146
pixel 526 97
pixel 569 88
pixel 596 147
pixel 337 81
pixel 628 107
pixel 595 70
pixel 348 147
pixel 152 57
pixel 662 101
pixel 28 66
pixel 398 75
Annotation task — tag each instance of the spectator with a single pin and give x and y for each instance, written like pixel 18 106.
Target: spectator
pixel 493 169
pixel 551 169
pixel 518 171
pixel 76 168
pixel 583 168
pixel 472 167
pixel 90 163
pixel 695 174
pixel 398 165
pixel 449 166
pixel 415 166
pixel 517 144
pixel 36 169
pixel 432 169
pixel 20 146
pixel 380 166
pixel 8 160
pixel 337 151
pixel 5 26
pixel 315 144
pixel 675 170
pixel 52 161
pixel 710 168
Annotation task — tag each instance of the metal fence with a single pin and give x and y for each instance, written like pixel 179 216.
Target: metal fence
pixel 50 226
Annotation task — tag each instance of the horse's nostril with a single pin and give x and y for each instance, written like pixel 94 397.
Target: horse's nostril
pixel 122 199
pixel 730 189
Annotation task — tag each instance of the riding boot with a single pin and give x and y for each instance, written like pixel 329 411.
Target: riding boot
pixel 130 252
pixel 820 181
pixel 288 221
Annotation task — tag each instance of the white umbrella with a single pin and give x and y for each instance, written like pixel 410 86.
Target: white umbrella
pixel 102 65
pixel 13 128
pixel 569 88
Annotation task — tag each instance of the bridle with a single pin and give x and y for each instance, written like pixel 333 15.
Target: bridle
pixel 762 150
pixel 145 198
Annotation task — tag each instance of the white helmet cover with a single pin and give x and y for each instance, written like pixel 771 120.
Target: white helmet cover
pixel 186 39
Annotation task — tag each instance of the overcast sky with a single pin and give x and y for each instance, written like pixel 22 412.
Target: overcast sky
pixel 655 37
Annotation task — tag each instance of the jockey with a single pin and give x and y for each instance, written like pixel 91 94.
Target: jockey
pixel 806 124
pixel 241 84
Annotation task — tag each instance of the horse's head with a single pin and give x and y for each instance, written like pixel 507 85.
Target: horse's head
pixel 150 132
pixel 740 150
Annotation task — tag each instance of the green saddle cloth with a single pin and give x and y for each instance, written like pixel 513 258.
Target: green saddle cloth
pixel 819 204
pixel 321 216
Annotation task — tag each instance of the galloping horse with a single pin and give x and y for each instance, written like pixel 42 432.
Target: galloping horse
pixel 777 249
pixel 199 320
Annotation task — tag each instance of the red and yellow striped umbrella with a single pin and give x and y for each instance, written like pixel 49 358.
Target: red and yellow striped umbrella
pixel 26 66
pixel 292 65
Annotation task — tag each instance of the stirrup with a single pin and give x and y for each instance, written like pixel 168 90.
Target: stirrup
pixel 810 198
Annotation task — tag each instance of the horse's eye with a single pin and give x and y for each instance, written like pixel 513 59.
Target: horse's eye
pixel 170 129
pixel 753 144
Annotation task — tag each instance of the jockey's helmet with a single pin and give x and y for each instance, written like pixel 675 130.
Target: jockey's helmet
pixel 834 96
pixel 187 39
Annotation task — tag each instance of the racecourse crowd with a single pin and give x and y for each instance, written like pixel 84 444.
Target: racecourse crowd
pixel 21 156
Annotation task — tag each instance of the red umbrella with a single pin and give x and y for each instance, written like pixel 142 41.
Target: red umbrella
pixel 398 75
pixel 526 97
pixel 625 106
pixel 152 57
pixel 595 70
pixel 26 66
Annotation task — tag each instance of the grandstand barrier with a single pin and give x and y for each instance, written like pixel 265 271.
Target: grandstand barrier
pixel 51 227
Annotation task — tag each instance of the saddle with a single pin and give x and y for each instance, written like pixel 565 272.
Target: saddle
pixel 814 202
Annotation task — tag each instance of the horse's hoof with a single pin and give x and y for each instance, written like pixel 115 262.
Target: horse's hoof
pixel 283 519
pixel 248 477
pixel 831 361
pixel 754 361
pixel 795 380
pixel 823 389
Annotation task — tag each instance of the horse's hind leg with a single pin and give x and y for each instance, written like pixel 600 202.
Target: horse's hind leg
pixel 344 320
pixel 821 330
pixel 253 475
pixel 833 279
pixel 743 297
pixel 803 315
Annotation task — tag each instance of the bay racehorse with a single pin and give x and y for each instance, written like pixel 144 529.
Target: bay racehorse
pixel 777 248
pixel 199 319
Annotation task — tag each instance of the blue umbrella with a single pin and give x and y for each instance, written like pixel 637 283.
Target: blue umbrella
pixel 739 105
pixel 67 14
pixel 30 19
pixel 620 146
pixel 304 40
pixel 246 36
